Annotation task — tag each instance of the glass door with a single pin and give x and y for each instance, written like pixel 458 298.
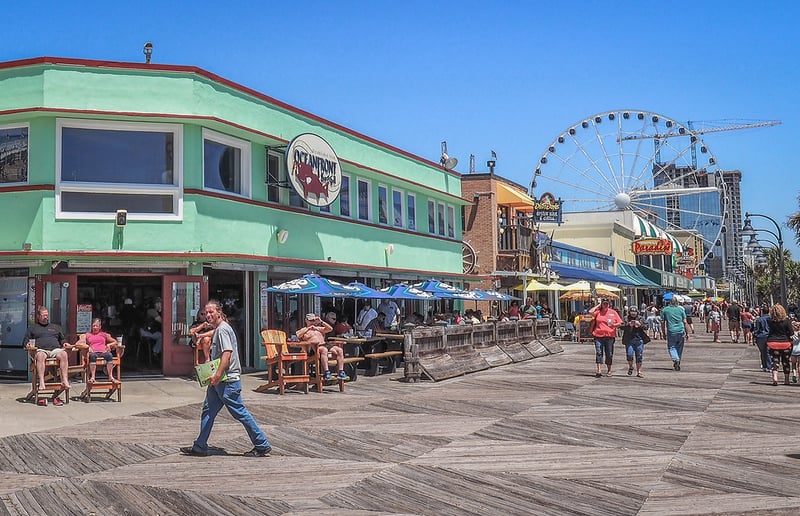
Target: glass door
pixel 13 323
pixel 183 297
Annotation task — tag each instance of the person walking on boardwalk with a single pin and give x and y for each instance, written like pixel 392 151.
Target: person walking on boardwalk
pixel 606 321
pixel 675 329
pixel 779 342
pixel 760 334
pixel 228 392
pixel 634 336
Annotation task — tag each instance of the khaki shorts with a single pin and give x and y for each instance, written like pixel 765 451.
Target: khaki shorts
pixel 734 325
pixel 51 353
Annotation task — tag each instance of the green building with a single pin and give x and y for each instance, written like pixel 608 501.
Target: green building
pixel 122 184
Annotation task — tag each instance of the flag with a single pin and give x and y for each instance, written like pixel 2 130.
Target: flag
pixel 494 155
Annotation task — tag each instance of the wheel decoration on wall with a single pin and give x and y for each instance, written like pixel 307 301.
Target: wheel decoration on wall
pixel 640 161
pixel 469 257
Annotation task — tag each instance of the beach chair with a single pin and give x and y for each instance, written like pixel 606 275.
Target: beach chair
pixel 281 361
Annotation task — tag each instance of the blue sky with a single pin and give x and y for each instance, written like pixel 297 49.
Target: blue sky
pixel 503 76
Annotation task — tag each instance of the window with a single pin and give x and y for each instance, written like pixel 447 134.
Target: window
pixel 13 154
pixel 363 200
pixel 411 202
pixel 226 164
pixel 103 166
pixel 383 201
pixel 273 177
pixel 397 208
pixel 295 199
pixel 344 197
pixel 451 222
pixel 431 217
pixel 440 218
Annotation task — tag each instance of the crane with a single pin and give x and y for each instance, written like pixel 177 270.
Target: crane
pixel 706 127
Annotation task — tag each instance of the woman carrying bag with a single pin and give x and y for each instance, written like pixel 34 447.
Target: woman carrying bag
pixel 779 342
pixel 634 337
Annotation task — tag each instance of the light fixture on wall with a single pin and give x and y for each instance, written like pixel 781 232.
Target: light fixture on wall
pixel 390 249
pixel 148 52
pixel 283 236
pixel 26 246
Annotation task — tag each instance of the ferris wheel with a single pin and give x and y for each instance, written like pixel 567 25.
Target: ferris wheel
pixel 644 162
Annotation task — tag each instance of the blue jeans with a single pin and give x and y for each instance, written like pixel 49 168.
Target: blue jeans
pixel 228 394
pixel 604 345
pixel 635 348
pixel 675 343
pixel 766 358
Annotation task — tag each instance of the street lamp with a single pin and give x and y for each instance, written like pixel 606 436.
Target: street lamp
pixel 749 231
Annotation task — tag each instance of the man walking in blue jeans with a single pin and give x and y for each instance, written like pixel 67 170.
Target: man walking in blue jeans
pixel 676 329
pixel 228 392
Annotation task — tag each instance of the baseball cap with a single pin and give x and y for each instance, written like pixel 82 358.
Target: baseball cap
pixel 633 310
pixel 311 317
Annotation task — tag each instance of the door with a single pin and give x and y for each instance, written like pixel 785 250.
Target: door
pixel 183 297
pixel 59 294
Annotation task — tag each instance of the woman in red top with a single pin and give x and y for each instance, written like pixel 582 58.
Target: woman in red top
pixel 747 325
pixel 606 321
pixel 100 344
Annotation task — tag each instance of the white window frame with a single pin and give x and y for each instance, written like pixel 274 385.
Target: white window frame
pixel 401 216
pixel 385 190
pixel 412 199
pixel 283 197
pixel 451 220
pixel 245 161
pixel 441 222
pixel 175 190
pixel 369 200
pixel 27 127
pixel 349 196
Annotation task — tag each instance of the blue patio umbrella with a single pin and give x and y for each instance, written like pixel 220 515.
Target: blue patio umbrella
pixel 363 291
pixel 493 295
pixel 668 296
pixel 316 285
pixel 444 290
pixel 403 291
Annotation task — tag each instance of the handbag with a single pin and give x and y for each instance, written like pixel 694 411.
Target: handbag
pixel 645 337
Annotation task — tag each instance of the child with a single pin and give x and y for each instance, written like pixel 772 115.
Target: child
pixel 100 343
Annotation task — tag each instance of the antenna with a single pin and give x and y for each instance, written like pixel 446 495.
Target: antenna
pixel 446 161
pixel 471 163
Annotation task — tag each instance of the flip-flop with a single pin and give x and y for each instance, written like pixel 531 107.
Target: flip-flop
pixel 630 371
pixel 640 375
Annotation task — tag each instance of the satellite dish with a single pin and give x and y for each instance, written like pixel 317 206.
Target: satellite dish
pixel 446 161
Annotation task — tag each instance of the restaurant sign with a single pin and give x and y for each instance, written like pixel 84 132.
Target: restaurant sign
pixel 651 246
pixel 547 209
pixel 314 169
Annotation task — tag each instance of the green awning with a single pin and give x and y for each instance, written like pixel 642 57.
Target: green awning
pixel 631 273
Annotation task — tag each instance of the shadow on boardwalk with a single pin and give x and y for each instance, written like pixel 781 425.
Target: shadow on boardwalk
pixel 538 437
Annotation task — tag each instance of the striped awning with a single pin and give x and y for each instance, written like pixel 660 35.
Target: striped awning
pixel 644 229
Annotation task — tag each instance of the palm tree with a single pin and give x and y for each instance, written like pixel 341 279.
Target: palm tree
pixel 794 223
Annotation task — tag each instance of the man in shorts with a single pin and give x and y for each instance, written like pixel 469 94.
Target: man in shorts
pixel 49 342
pixel 734 314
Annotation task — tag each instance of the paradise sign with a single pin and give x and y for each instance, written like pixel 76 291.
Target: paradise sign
pixel 651 246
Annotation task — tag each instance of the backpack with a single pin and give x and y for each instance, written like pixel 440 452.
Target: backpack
pixel 762 327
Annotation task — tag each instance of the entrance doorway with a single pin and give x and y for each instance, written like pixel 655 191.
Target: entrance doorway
pixel 131 307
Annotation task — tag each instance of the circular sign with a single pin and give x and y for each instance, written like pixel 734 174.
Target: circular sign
pixel 314 169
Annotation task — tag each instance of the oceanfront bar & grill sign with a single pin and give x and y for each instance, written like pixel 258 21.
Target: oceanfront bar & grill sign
pixel 651 246
pixel 313 169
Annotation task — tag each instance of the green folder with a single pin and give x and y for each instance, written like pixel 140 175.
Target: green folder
pixel 205 371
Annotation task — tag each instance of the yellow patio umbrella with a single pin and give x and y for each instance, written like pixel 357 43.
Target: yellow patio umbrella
pixel 554 286
pixel 532 286
pixel 607 288
pixel 605 294
pixel 578 285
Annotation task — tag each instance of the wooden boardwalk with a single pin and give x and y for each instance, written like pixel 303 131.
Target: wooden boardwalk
pixel 537 437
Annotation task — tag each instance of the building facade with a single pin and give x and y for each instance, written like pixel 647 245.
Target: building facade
pixel 127 184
